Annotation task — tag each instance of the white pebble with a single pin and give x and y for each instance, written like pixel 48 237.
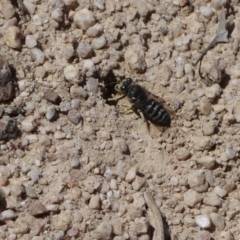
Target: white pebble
pixel 38 55
pixel 34 175
pixel 84 19
pixel 88 64
pixel 100 4
pixel 220 191
pixel 30 41
pixel 131 174
pixel 50 113
pixel 71 73
pixel 213 91
pixel 30 6
pixel 57 15
pixel 84 50
pixel 206 11
pixel 28 124
pixel 203 221
pixel 75 162
pixel 98 43
pixel 7 215
pixel 95 31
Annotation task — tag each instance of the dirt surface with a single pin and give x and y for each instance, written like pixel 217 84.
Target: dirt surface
pixel 72 166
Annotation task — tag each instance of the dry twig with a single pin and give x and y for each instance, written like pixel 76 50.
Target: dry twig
pixel 156 217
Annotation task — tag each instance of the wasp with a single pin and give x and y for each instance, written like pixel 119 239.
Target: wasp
pixel 144 102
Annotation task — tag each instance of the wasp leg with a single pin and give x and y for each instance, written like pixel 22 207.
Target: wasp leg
pixel 116 98
pixel 144 119
pixel 125 110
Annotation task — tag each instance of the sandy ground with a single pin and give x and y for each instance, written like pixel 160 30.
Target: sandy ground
pixel 72 166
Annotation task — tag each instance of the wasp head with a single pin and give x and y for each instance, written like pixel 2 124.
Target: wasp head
pixel 124 86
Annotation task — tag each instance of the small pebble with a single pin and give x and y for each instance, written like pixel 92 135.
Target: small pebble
pixel 51 113
pixel 84 50
pixel 84 19
pixel 61 221
pixel 135 59
pixel 103 231
pixel 38 55
pixel 37 208
pixel 12 37
pixel 7 215
pixel 72 74
pixel 30 191
pixel 57 14
pixel 30 41
pixel 206 11
pixel 182 154
pixel 98 43
pixel 203 221
pixel 52 97
pixel 92 85
pixel 220 191
pixel 192 198
pixel 34 175
pixel 28 124
pixel 8 10
pixel 218 221
pixel 75 162
pixel 95 31
pixel 207 162
pixel 74 116
pixel 212 199
pixel 131 174
pixel 213 91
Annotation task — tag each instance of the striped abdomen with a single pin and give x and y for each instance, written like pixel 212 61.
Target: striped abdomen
pixel 155 112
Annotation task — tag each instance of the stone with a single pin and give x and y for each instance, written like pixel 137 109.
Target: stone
pixel 95 31
pixel 206 11
pixel 196 181
pixel 57 14
pixel 62 221
pixel 52 97
pixel 74 116
pixel 138 227
pixel 103 232
pixel 98 43
pixel 212 199
pixel 213 91
pixel 95 202
pixel 182 154
pixel 30 41
pixel 8 10
pixel 7 215
pixel 92 85
pixel 205 106
pixel 37 208
pixel 207 162
pixel 202 143
pixel 220 191
pixel 131 174
pixel 38 55
pixel 203 221
pixel 12 37
pixel 72 74
pixel 84 50
pixel 84 19
pixel 135 59
pixel 192 198
pixel 29 124
pixel 218 221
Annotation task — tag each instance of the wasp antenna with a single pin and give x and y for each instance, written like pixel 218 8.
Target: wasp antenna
pixel 110 83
